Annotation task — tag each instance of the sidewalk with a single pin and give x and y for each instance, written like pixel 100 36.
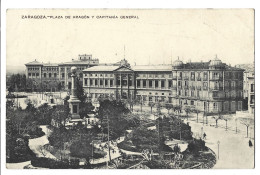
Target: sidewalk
pixel 20 165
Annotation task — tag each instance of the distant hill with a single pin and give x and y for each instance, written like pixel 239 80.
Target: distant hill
pixel 15 69
pixel 247 67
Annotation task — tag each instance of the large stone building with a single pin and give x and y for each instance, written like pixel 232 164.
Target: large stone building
pixel 249 86
pixel 209 86
pixel 145 83
pixel 47 76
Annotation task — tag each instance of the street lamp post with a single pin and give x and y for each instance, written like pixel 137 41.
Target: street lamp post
pixel 218 148
pixel 201 132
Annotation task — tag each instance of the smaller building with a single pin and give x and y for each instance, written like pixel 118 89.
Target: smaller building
pixel 249 86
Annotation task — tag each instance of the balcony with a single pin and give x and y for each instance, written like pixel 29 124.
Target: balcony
pixel 205 78
pixel 174 77
pixel 216 97
pixel 186 78
pixel 217 88
pixel 216 78
pixel 186 87
pixel 179 78
pixel 174 88
pixel 192 87
pixel 198 79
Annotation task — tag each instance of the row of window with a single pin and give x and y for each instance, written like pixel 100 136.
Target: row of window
pixel 155 75
pixel 216 84
pixel 145 98
pixel 33 68
pixel 153 84
pixel 50 75
pixel 96 82
pixel 99 75
pixel 50 69
pixel 215 75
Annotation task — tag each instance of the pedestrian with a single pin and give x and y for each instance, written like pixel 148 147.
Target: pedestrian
pixel 250 143
pixel 204 135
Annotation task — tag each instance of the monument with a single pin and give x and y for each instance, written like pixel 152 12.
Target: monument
pixel 74 101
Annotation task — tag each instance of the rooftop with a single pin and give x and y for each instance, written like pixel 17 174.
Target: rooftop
pixel 152 67
pixel 102 68
pixel 77 63
pixel 35 62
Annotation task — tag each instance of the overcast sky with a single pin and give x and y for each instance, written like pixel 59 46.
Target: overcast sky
pixel 157 37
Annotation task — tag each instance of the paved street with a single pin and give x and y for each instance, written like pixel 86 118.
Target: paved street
pixel 234 151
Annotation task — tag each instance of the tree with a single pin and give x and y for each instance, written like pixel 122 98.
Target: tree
pixel 44 114
pixel 130 102
pixel 158 108
pixel 82 148
pixel 16 81
pixel 187 110
pixel 30 106
pixel 174 128
pixel 60 115
pixel 140 102
pixel 196 145
pixel 227 118
pixel 197 111
pixel 217 117
pixel 247 122
pixel 116 112
pixel 168 106
pixel 151 104
pixel 145 139
pixel 85 109
pixel 80 91
pixel 176 149
pixel 177 109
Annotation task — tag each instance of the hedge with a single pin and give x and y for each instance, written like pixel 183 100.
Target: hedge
pixel 55 164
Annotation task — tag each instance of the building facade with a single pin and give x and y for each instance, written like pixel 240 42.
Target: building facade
pixel 249 86
pixel 249 90
pixel 208 86
pixel 144 83
pixel 48 76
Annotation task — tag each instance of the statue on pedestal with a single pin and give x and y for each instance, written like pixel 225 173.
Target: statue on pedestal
pixel 74 101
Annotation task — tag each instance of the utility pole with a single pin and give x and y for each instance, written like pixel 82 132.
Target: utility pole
pixel 108 138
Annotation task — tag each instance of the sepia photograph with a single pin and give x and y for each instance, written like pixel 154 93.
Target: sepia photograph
pixel 130 89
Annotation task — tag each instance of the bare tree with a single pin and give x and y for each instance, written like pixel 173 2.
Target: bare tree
pixel 168 106
pixel 187 110
pixel 227 118
pixel 247 122
pixel 197 111
pixel 177 109
pixel 216 118
pixel 151 104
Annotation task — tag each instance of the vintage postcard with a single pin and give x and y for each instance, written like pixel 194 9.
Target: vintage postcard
pixel 130 89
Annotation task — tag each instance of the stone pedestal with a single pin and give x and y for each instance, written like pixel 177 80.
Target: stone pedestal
pixel 74 101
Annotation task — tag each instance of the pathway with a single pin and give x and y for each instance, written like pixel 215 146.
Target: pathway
pixel 20 165
pixel 36 145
